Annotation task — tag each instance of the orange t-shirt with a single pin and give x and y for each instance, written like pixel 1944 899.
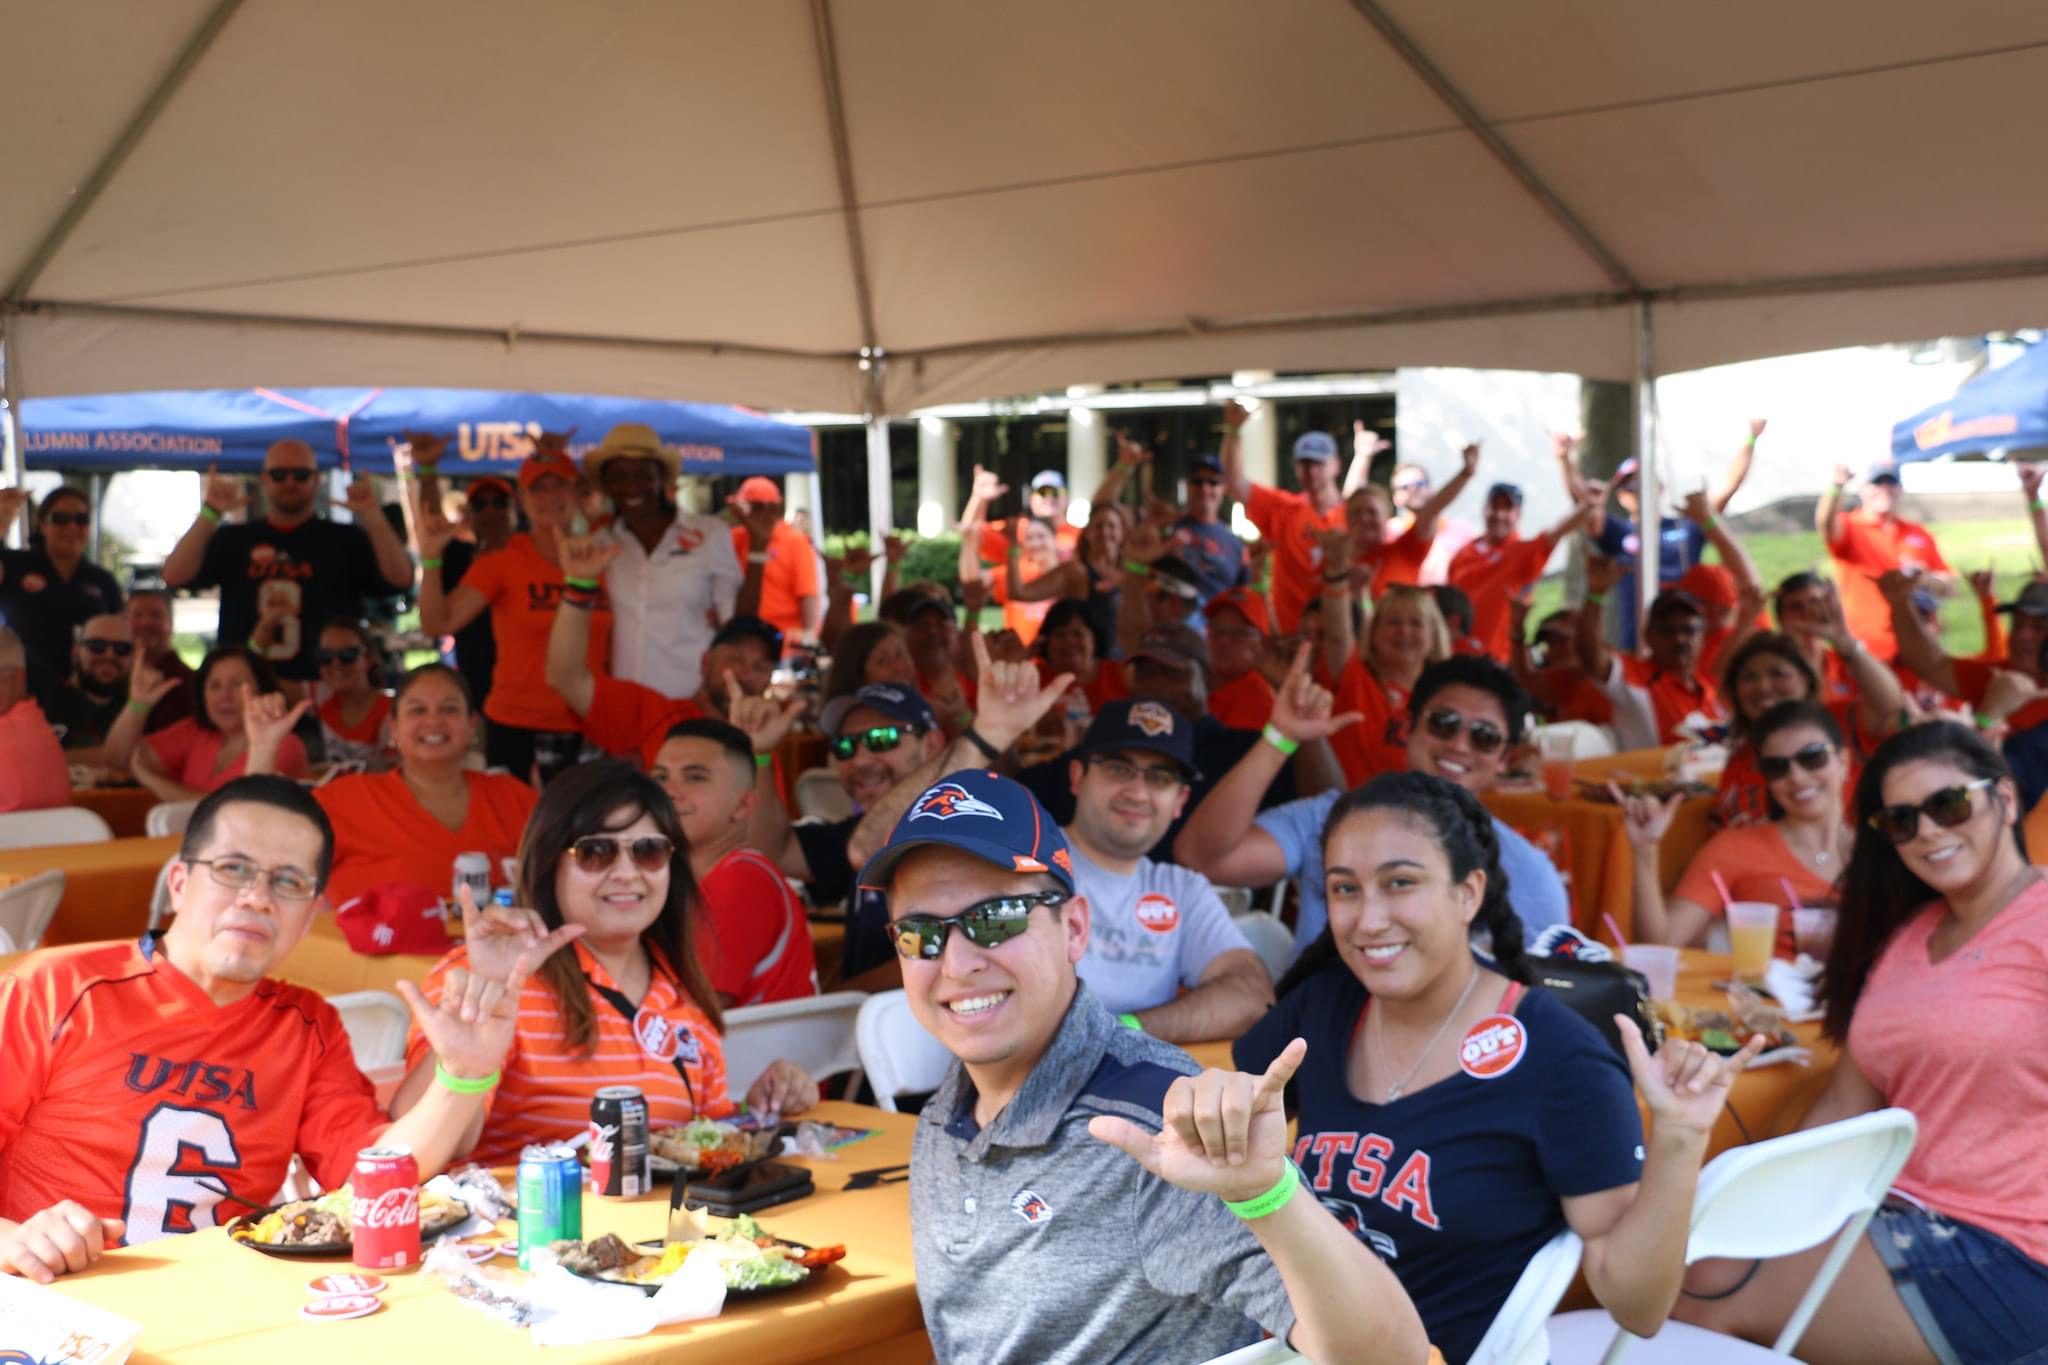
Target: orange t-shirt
pixel 524 592
pixel 1109 685
pixel 1862 549
pixel 1567 693
pixel 35 775
pixel 1244 703
pixel 1756 865
pixel 189 754
pixel 1378 743
pixel 544 1091
pixel 626 718
pixel 790 575
pixel 1490 574
pixel 1398 561
pixel 1673 697
pixel 382 835
pixel 1291 522
pixel 129 1090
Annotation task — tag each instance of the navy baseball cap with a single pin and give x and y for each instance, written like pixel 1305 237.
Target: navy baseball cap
pixel 983 813
pixel 1141 724
pixel 750 628
pixel 897 703
pixel 1315 445
pixel 1208 462
pixel 1511 491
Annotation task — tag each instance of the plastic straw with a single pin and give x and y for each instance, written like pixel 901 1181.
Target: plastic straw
pixel 1790 894
pixel 1722 887
pixel 1614 929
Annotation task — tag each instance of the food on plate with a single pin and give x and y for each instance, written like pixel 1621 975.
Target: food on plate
pixel 1725 1031
pixel 325 1220
pixel 1661 788
pixel 747 1257
pixel 713 1144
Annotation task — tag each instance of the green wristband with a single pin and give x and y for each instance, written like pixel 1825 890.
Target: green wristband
pixel 141 708
pixel 433 563
pixel 207 512
pixel 853 579
pixel 2038 505
pixel 1594 599
pixel 1272 1200
pixel 1985 722
pixel 1279 741
pixel 581 584
pixel 1136 567
pixel 463 1085
pixel 1130 1021
pixel 1708 523
pixel 764 760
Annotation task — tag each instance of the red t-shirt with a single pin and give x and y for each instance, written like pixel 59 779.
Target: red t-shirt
pixel 1398 561
pixel 1243 703
pixel 1973 676
pixel 1673 697
pixel 190 756
pixel 1379 742
pixel 35 775
pixel 755 938
pixel 626 718
pixel 1742 798
pixel 1864 548
pixel 1490 573
pixel 524 592
pixel 129 1090
pixel 1291 522
pixel 1109 684
pixel 382 835
pixel 1567 693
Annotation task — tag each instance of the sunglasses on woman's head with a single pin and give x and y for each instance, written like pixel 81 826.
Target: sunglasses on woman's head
pixel 78 519
pixel 340 656
pixel 289 475
pixel 1812 757
pixel 597 853
pixel 1445 723
pixel 1948 808
pixel 878 740
pixel 986 923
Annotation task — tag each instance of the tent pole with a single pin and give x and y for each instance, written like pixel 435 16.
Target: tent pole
pixel 17 452
pixel 881 474
pixel 1649 487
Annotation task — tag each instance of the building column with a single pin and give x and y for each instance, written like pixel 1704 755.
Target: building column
pixel 1087 453
pixel 938 475
pixel 1258 438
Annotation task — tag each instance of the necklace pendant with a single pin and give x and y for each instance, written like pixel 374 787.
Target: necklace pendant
pixel 1393 1092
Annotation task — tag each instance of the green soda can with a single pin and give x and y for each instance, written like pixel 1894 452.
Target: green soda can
pixel 550 1198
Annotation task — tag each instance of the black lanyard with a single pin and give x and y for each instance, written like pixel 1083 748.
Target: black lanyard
pixel 624 1006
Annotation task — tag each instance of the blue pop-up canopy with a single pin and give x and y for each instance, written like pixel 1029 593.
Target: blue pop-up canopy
pixel 2005 409
pixel 489 432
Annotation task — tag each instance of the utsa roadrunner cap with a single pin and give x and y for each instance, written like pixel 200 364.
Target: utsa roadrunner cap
pixel 982 813
pixel 1141 724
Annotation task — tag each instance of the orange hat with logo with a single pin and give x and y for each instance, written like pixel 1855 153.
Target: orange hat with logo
pixel 547 463
pixel 759 489
pixel 1710 584
pixel 1244 601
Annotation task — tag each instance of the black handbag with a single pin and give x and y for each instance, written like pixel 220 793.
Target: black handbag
pixel 1597 991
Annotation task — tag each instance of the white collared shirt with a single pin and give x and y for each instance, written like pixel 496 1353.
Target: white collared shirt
pixel 667 605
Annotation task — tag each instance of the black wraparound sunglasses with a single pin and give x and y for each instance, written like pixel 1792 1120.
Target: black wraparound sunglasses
pixel 289 475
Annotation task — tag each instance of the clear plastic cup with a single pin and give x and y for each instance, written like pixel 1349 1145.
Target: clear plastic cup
pixel 1814 931
pixel 1556 748
pixel 1658 964
pixel 1752 938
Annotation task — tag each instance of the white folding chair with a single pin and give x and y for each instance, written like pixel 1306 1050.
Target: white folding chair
pixel 896 1052
pixel 7 943
pixel 58 825
pixel 1236 899
pixel 27 907
pixel 819 793
pixel 1516 1336
pixel 168 817
pixel 376 1022
pixel 1270 939
pixel 816 1032
pixel 160 896
pixel 1768 1199
pixel 1268 1352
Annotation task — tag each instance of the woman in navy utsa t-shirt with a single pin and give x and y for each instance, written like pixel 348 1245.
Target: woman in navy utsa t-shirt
pixel 1463 1120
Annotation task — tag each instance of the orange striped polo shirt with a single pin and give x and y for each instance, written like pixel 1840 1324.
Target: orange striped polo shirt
pixel 546 1089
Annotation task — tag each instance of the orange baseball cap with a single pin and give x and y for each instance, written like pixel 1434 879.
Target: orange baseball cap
pixel 1710 584
pixel 759 489
pixel 1245 601
pixel 489 483
pixel 546 463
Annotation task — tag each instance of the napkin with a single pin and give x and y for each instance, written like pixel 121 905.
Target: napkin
pixel 579 1310
pixel 1792 984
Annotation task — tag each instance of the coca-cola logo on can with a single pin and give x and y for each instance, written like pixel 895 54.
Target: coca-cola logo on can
pixel 391 1209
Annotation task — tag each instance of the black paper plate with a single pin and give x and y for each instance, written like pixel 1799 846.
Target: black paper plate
pixel 320 1250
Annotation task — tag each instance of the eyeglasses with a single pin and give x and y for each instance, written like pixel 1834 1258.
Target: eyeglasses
pixel 289 475
pixel 1445 723
pixel 121 648
pixel 597 853
pixel 1158 778
pixel 1813 758
pixel 987 924
pixel 1412 486
pixel 286 883
pixel 79 519
pixel 340 656
pixel 879 740
pixel 1948 808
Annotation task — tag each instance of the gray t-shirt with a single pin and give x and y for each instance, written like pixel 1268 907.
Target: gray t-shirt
pixel 1150 933
pixel 1035 1242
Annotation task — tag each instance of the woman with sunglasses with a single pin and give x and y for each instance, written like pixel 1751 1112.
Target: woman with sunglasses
pixel 50 589
pixel 1769 668
pixel 626 1003
pixel 355 714
pixel 1794 860
pixel 1935 991
pixel 404 829
pixel 224 737
pixel 1453 1116
pixel 522 586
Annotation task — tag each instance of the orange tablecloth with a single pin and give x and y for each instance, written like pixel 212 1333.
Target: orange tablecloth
pixel 863 1309
pixel 1602 861
pixel 106 886
pixel 125 809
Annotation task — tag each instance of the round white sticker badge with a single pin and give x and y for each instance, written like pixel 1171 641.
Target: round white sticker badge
pixel 1492 1047
pixel 1158 913
pixel 656 1035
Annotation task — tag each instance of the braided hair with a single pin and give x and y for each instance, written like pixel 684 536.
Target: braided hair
pixel 1464 830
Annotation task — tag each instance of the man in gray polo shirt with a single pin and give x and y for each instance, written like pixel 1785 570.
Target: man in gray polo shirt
pixel 1068 1181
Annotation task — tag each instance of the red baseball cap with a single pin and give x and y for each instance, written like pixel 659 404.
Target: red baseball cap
pixel 759 489
pixel 1710 584
pixel 541 464
pixel 1243 600
pixel 397 917
pixel 489 483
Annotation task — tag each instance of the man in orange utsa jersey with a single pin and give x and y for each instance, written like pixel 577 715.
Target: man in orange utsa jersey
pixel 149 1083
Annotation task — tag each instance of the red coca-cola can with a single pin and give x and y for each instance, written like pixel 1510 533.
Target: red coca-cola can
pixel 384 1209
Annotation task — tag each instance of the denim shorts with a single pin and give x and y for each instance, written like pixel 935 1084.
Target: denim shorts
pixel 1976 1298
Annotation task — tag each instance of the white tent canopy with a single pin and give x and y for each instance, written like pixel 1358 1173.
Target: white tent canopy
pixel 737 201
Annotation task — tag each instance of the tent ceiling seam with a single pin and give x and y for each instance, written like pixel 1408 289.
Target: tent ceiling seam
pixel 842 159
pixel 1490 137
pixel 87 194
